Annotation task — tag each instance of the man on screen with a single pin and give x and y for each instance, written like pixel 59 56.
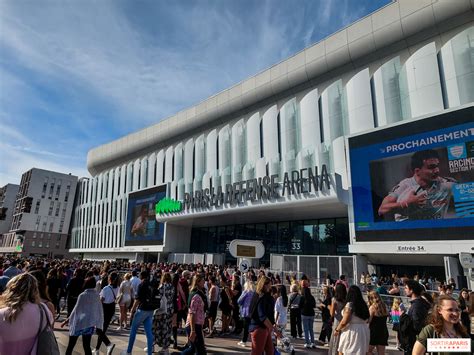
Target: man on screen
pixel 139 227
pixel 425 195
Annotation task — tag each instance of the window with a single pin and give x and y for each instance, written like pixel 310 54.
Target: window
pixel 51 226
pixel 261 139
pixel 51 206
pixel 37 207
pixel 47 245
pixel 40 244
pixel 38 220
pixel 61 225
pixel 51 189
pixel 68 189
pixel 49 236
pixel 57 209
pixel 44 226
pixel 45 186
pixel 58 190
pixel 34 235
pixel 33 243
pixel 57 245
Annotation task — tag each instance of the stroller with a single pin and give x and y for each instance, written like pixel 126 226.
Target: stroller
pixel 282 342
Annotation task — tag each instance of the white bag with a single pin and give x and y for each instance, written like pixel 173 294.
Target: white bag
pixel 163 306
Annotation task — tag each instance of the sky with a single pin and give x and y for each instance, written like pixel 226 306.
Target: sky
pixel 78 74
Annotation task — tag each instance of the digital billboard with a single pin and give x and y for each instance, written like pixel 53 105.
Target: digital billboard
pixel 415 181
pixel 142 227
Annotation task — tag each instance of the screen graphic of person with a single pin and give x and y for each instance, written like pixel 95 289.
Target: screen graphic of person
pixel 425 195
pixel 139 227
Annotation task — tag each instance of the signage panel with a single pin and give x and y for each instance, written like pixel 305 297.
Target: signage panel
pixel 416 186
pixel 142 227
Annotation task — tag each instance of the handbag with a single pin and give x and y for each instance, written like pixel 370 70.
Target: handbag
pixel 119 298
pixel 163 305
pixel 47 343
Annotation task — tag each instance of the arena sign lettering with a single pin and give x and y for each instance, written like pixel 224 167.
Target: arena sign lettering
pixel 263 188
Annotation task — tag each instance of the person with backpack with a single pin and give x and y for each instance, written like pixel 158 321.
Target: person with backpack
pixel 162 327
pixel 145 303
pixel 295 312
pixel 307 306
pixel 413 321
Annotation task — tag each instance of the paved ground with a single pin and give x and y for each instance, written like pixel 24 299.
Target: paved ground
pixel 227 345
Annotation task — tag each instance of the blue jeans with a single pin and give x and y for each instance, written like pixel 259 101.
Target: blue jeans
pixel 308 322
pixel 145 317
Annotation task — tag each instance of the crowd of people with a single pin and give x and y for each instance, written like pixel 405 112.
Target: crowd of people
pixel 256 306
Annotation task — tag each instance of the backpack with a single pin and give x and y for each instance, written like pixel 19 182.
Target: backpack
pixel 407 332
pixel 153 298
pixel 47 343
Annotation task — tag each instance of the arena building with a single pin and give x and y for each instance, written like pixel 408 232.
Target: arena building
pixel 269 158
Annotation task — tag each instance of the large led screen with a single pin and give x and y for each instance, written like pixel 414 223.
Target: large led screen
pixel 415 181
pixel 142 227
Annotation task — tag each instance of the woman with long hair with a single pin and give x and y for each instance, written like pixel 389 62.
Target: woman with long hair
pixel 353 328
pixel 444 322
pixel 54 289
pixel 20 316
pixel 281 311
pixel 85 318
pixel 162 319
pixel 196 316
pixel 245 301
pixel 178 306
pixel 225 305
pixel 463 302
pixel 296 328
pixel 377 323
pixel 43 290
pixel 307 305
pixel 325 307
pixel 338 303
pixel 213 295
pixel 262 318
pixel 124 300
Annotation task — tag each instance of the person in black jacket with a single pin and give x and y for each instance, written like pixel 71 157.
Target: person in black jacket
pixel 307 305
pixel 412 322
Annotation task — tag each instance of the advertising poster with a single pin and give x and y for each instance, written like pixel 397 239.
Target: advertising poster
pixel 419 185
pixel 142 227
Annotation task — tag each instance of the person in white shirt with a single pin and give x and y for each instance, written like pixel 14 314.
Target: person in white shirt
pixel 281 305
pixel 108 296
pixel 135 281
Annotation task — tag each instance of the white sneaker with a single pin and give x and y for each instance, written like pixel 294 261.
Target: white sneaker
pixel 118 328
pixel 307 346
pixel 110 348
pixel 313 346
pixel 242 344
pixel 152 349
pixel 95 352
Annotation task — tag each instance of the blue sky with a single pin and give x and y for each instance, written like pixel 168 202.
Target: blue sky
pixel 78 74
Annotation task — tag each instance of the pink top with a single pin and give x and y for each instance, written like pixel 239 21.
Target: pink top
pixel 197 309
pixel 19 337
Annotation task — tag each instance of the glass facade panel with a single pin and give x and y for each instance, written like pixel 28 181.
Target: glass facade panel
pixel 327 236
pixel 328 267
pixel 310 237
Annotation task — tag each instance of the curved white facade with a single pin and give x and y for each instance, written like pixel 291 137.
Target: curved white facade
pixel 307 105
